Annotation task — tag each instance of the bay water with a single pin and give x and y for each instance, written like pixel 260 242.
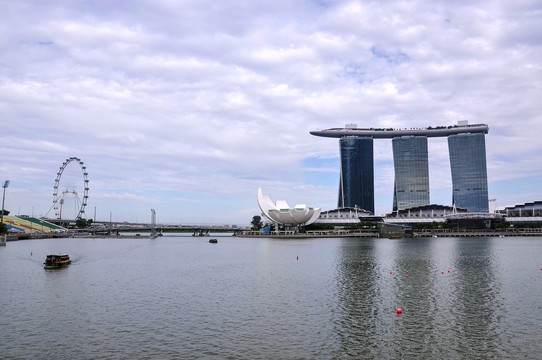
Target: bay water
pixel 180 297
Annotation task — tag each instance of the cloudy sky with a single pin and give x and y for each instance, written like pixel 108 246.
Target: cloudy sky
pixel 187 107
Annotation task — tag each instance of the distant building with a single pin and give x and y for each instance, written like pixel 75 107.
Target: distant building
pixel 410 162
pixel 460 218
pixel 427 211
pixel 281 213
pixel 466 144
pixel 528 209
pixel 492 205
pixel 345 216
pixel 475 220
pixel 356 184
pixel 469 171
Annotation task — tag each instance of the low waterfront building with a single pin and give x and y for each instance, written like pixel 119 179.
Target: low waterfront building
pixel 345 216
pixel 528 209
pixel 423 216
pixel 426 211
pixel 480 220
pixel 280 213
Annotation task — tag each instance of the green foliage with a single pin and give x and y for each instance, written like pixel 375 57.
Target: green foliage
pixel 6 212
pixel 524 225
pixel 3 228
pixel 502 225
pixel 83 223
pixel 256 223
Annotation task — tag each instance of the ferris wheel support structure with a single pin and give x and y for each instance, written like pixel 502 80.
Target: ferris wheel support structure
pixel 57 199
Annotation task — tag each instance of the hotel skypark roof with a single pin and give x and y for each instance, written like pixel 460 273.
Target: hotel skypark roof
pixel 439 131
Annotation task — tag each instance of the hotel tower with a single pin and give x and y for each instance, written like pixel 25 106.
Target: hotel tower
pixel 466 146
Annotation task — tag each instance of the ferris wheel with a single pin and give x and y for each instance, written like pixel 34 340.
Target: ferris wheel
pixel 69 190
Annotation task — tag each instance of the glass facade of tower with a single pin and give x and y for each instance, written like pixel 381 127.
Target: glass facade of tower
pixel 469 171
pixel 411 167
pixel 356 185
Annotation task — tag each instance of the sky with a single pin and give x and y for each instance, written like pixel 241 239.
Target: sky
pixel 188 107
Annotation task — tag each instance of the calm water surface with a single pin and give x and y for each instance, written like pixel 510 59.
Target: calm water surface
pixel 179 297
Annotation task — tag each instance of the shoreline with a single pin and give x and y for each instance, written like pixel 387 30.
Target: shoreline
pixel 466 233
pixel 292 235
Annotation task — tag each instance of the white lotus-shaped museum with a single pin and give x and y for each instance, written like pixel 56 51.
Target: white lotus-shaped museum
pixel 282 214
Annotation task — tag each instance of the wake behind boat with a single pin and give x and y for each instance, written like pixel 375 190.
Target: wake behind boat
pixel 56 261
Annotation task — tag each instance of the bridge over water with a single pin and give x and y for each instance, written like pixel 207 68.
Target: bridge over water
pixel 135 227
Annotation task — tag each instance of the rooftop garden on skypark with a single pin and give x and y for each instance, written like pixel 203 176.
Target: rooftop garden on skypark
pixel 400 129
pixel 386 133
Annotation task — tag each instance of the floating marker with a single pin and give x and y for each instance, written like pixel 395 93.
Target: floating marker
pixel 391 272
pixel 442 272
pixel 399 311
pixel 448 270
pixel 407 272
pixel 298 258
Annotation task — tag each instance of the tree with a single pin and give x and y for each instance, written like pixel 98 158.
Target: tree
pixel 83 223
pixel 6 212
pixel 256 223
pixel 3 228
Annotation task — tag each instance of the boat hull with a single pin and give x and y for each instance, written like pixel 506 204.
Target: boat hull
pixel 55 266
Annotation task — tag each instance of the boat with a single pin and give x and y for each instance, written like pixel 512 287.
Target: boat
pixel 56 261
pixel 213 241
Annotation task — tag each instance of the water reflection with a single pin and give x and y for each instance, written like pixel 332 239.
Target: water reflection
pixel 357 289
pixel 477 302
pixel 447 290
pixel 419 333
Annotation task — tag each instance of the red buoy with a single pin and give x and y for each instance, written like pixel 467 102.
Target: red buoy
pixel 442 272
pixel 407 272
pixel 298 258
pixel 399 311
pixel 391 272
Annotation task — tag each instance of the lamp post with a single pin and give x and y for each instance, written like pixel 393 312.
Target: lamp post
pixel 6 184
